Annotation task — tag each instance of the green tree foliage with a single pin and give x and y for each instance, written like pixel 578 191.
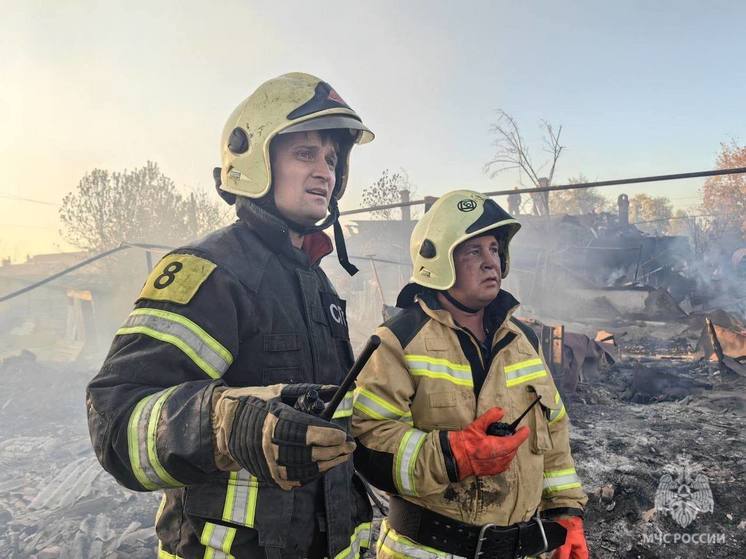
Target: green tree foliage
pixel 579 201
pixel 650 214
pixel 141 205
pixel 386 190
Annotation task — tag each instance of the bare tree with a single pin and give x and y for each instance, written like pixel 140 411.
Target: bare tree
pixel 512 152
pixel 386 190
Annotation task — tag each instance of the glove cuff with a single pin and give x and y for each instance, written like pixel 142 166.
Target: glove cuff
pixel 459 455
pixel 245 442
pixel 448 458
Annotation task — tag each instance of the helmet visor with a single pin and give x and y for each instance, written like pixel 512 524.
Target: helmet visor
pixel 361 134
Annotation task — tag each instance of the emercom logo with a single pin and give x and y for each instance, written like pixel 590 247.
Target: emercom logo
pixel 683 491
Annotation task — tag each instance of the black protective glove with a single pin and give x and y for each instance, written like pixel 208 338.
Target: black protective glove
pixel 274 441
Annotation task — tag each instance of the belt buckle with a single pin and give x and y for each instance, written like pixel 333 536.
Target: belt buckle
pixel 481 538
pixel 543 534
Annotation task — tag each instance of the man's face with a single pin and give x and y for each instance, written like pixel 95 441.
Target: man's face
pixel 478 272
pixel 303 175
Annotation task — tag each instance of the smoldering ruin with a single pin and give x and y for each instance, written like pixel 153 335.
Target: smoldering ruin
pixel 646 339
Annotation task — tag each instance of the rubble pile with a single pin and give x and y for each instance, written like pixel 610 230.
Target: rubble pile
pixel 641 419
pixel 55 500
pixel 655 406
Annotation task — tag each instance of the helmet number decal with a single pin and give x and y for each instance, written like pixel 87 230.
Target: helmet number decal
pixel 168 276
pixel 467 205
pixel 336 314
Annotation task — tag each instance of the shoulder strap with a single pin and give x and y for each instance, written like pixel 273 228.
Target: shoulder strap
pixel 528 332
pixel 406 324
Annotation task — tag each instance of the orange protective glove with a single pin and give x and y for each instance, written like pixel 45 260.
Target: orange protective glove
pixel 575 546
pixel 478 454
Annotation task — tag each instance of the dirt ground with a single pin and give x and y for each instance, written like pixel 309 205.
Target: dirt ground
pixel 55 502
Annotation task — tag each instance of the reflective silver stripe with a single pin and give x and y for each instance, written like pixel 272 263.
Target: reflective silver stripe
pixel 178 330
pixel 392 543
pixel 376 407
pixel 360 538
pixel 422 365
pixel 163 554
pixel 559 480
pixel 556 415
pixel 217 540
pixel 240 498
pixel 345 407
pixel 406 459
pixel 142 442
pixel 524 371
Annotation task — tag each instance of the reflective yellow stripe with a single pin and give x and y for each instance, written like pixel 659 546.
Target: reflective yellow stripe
pixel 152 449
pixel 133 446
pixel 559 473
pixel 217 540
pixel 181 332
pixel 401 547
pixel 160 508
pixel 359 538
pixel 240 498
pixel 142 443
pixel 376 407
pixel 345 406
pixel 406 459
pixel 557 414
pixel 523 365
pixel 442 369
pixel 560 480
pixel 524 371
pixel 162 554
pixel 204 336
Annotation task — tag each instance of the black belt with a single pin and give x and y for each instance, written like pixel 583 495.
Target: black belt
pixel 466 540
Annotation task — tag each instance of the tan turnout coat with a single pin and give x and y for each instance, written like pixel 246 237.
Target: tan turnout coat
pixel 419 382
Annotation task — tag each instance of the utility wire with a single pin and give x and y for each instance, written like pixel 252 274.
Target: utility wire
pixel 124 246
pixel 616 182
pixel 678 217
pixel 21 199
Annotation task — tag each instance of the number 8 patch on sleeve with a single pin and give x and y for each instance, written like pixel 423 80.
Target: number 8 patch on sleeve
pixel 177 278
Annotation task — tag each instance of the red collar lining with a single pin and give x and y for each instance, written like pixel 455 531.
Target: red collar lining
pixel 316 246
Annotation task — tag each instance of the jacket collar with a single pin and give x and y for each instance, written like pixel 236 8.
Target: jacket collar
pixel 496 314
pixel 274 233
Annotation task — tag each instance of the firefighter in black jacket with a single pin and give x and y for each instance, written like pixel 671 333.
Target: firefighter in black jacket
pixel 196 395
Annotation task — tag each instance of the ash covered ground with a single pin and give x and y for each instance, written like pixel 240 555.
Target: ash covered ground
pixel 632 423
pixel 623 448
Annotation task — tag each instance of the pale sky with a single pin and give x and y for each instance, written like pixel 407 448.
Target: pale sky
pixel 641 88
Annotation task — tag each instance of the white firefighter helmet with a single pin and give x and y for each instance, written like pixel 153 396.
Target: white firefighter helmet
pixel 454 218
pixel 293 102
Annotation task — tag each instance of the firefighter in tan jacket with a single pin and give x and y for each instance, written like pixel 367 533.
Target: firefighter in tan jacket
pixel 452 363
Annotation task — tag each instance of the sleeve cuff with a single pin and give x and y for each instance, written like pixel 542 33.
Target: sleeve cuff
pixel 450 461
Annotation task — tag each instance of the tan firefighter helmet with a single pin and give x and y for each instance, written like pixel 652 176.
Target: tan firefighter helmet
pixel 454 218
pixel 293 102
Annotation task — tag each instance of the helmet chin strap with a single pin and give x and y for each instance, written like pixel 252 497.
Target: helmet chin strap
pixel 339 238
pixel 458 304
pixel 267 203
